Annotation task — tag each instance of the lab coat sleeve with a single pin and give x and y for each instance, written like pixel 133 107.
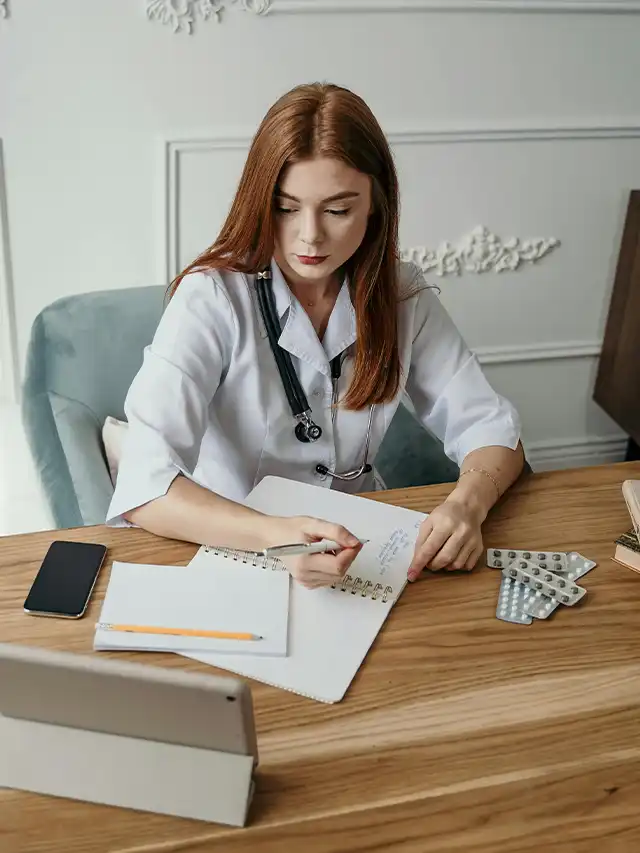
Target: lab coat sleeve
pixel 448 388
pixel 167 404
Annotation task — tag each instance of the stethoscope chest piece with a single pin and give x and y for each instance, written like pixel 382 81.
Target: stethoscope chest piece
pixel 307 430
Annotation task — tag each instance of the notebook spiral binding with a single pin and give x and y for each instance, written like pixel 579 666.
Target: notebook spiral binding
pixel 251 558
pixel 356 586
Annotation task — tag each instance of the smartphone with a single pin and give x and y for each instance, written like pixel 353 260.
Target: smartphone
pixel 65 580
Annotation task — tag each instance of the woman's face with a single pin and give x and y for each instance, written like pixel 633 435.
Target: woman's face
pixel 322 210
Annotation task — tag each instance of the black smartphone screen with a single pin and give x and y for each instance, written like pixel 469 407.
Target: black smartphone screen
pixel 65 579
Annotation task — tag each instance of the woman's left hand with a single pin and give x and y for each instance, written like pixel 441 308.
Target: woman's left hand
pixel 449 538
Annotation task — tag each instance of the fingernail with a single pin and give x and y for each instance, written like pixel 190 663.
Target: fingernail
pixel 412 576
pixel 353 541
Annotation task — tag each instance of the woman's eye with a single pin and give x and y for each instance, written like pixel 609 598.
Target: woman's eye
pixel 282 209
pixel 338 212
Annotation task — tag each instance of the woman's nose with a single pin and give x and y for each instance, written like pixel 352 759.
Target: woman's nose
pixel 310 229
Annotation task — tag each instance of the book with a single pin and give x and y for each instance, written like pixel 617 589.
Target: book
pixel 217 597
pixel 628 550
pixel 631 495
pixel 330 629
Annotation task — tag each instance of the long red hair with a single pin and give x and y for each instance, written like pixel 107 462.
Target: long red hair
pixel 323 120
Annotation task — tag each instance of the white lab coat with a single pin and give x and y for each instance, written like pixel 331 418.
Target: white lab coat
pixel 208 400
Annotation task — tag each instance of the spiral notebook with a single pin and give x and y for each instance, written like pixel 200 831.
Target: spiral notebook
pixel 330 629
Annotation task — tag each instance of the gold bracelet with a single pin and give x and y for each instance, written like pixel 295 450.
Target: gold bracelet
pixel 486 473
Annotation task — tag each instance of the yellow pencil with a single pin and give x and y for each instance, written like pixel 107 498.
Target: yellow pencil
pixel 178 632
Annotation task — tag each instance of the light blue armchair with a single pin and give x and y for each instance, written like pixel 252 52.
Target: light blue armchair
pixel 83 354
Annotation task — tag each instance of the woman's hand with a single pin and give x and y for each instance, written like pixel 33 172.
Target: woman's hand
pixel 449 538
pixel 315 570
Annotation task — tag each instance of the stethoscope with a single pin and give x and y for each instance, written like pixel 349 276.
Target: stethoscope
pixel 306 430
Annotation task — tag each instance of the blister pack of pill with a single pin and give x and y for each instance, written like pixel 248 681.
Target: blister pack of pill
pixel 542 606
pixel 541 580
pixel 511 600
pixel 534 598
pixel 498 558
pixel 539 605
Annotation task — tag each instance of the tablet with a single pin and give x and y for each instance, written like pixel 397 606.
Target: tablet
pixel 113 696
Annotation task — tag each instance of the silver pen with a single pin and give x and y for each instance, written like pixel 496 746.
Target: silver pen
pixel 323 547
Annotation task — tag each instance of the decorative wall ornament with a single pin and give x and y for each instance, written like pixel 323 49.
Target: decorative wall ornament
pixel 181 14
pixel 4 8
pixel 480 251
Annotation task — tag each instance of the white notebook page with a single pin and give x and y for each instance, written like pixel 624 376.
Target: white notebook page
pixel 215 597
pixel 330 631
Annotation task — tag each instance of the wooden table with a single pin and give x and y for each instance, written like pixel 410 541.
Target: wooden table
pixel 460 733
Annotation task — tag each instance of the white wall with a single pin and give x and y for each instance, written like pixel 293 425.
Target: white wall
pixel 527 123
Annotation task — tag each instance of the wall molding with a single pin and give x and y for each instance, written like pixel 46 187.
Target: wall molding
pixel 9 380
pixel 547 455
pixel 181 15
pixel 554 6
pixel 173 149
pixel 549 351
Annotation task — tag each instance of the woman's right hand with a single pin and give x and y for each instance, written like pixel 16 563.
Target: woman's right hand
pixel 315 570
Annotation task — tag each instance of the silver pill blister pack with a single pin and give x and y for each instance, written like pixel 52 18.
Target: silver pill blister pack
pixel 500 558
pixel 511 600
pixel 539 605
pixel 547 583
pixel 543 580
pixel 542 606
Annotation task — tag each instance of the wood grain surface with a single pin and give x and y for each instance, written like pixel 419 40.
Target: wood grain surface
pixel 460 732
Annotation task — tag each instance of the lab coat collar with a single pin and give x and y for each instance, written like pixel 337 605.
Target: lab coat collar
pixel 281 292
pixel 341 330
pixel 298 335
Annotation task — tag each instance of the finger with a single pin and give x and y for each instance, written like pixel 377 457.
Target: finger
pixel 313 583
pixel 425 530
pixel 334 567
pixel 426 552
pixel 315 580
pixel 475 556
pixel 464 554
pixel 328 565
pixel 345 558
pixel 448 554
pixel 320 529
pixel 325 569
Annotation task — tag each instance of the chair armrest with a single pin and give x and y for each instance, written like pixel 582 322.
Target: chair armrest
pixel 66 443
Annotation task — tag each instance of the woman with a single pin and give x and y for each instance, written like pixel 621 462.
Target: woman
pixel 314 223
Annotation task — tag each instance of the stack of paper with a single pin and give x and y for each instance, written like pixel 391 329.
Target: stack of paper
pixel 218 597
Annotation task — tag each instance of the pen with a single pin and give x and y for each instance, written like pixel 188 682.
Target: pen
pixel 304 548
pixel 178 632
